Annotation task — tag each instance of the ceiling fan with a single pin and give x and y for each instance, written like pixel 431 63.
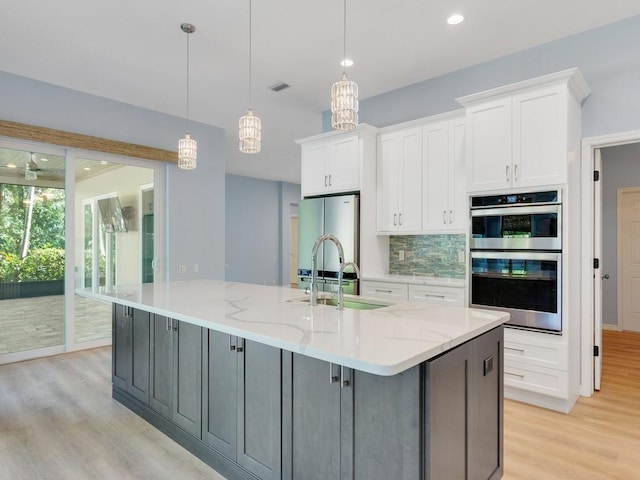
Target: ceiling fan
pixel 31 168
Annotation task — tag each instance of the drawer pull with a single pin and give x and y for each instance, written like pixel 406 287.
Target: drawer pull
pixel 514 349
pixel 380 290
pixel 433 295
pixel 514 374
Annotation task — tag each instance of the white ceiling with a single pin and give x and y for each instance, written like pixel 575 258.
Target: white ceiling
pixel 135 52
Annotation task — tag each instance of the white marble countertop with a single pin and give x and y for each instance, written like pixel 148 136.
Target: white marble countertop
pixel 385 341
pixel 417 280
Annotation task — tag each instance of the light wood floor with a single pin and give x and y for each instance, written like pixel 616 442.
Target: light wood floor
pixel 598 440
pixel 58 421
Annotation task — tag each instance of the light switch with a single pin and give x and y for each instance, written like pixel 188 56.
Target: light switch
pixel 401 255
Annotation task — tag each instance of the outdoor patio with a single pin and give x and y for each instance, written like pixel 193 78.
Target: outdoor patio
pixel 38 322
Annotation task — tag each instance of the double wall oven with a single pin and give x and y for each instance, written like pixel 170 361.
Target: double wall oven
pixel 516 257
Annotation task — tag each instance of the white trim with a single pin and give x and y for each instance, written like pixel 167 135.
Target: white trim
pixel 609 326
pixel 586 283
pixel 31 354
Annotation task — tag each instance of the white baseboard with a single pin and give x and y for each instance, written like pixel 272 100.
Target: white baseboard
pixel 610 326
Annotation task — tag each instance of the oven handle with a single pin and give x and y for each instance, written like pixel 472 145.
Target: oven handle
pixel 516 210
pixel 517 255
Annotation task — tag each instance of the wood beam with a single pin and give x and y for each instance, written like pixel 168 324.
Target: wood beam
pixel 25 131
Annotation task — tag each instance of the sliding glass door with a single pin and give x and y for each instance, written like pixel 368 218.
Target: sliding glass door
pixel 32 249
pixel 71 220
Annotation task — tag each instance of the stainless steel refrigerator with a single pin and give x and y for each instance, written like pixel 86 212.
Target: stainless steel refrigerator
pixel 340 216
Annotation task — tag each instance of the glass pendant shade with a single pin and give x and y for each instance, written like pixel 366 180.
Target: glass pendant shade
pixel 344 104
pixel 187 152
pixel 249 133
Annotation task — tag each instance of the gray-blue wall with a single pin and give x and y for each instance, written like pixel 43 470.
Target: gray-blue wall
pixel 258 229
pixel 195 200
pixel 608 57
pixel 620 168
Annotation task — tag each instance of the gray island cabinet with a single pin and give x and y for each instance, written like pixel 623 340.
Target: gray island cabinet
pixel 261 385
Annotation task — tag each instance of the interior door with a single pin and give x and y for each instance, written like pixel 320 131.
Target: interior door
pixel 597 276
pixel 629 257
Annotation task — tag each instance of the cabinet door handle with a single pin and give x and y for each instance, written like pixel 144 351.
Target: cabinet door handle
pixel 444 217
pixel 240 346
pixel 175 325
pixel 433 295
pixel 380 290
pixel 395 217
pixel 168 326
pixel 399 219
pixel 329 180
pixel 515 172
pixel 332 378
pixel 507 170
pixel 345 381
pixel 514 349
pixel 231 346
pixel 514 374
pixel 450 216
pixel 325 181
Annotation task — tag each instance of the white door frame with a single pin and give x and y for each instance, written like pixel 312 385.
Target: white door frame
pixel 589 145
pixel 597 277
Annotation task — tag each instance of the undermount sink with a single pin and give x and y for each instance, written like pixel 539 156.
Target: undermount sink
pixel 352 303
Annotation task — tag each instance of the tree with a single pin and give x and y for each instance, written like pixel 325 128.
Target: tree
pixel 31 232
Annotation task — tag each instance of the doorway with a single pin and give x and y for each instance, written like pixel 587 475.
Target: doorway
pixel 293 266
pixel 620 155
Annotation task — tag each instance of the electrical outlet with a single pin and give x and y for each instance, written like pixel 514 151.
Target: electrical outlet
pixel 401 255
pixel 182 269
pixel 196 268
pixel 460 256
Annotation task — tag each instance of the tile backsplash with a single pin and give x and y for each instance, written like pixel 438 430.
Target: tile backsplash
pixel 428 255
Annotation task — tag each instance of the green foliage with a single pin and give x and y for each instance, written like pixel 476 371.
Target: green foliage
pixel 45 238
pixel 8 267
pixel 38 265
pixel 42 264
pixel 47 226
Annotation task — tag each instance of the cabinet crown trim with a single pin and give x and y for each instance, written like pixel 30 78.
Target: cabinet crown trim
pixel 572 77
pixel 362 127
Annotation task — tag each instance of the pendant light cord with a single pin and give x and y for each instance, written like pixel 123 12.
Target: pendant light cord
pixel 344 43
pixel 187 122
pixel 250 93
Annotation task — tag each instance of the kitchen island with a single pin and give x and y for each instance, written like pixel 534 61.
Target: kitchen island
pixel 259 384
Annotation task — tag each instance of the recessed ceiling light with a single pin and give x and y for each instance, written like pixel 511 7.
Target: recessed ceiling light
pixel 347 62
pixel 455 19
pixel 87 168
pixel 44 159
pixel 103 162
pixel 12 165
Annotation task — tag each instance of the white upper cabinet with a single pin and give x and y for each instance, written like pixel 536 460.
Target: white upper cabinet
pixel 444 186
pixel 523 135
pixel 421 177
pixel 330 165
pixel 399 182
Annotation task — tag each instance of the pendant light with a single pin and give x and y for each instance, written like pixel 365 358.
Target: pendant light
pixel 249 126
pixel 187 146
pixel 344 93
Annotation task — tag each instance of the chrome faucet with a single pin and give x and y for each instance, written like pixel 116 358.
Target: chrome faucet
pixel 340 275
pixel 314 271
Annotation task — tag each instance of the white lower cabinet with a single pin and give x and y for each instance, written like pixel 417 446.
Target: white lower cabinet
pixel 437 294
pixel 385 290
pixel 423 292
pixel 536 362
